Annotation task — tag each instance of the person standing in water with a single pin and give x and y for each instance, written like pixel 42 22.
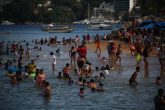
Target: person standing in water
pixel 97 40
pixel 47 90
pixel 146 63
pixel 118 54
pixel 54 61
pixel 132 80
pixel 72 54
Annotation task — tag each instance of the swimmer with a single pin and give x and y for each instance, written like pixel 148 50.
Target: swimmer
pixel 81 93
pixel 13 80
pixel 92 84
pixel 102 76
pixel 107 67
pixel 103 60
pixel 100 87
pixel 84 82
pixel 158 80
pixel 104 70
pixel 80 82
pixel 70 81
pixel 97 68
pixel 96 78
pixel 58 52
pixel 47 90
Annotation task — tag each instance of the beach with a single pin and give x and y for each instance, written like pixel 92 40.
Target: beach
pixel 118 93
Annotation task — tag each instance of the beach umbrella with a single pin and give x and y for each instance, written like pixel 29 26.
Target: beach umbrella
pixel 150 26
pixel 146 22
pixel 160 25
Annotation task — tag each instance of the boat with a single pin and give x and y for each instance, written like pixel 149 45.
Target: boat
pixel 99 26
pixel 86 21
pixel 53 28
pixel 7 23
pixel 99 23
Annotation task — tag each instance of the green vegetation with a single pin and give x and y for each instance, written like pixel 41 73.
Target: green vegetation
pixel 151 7
pixel 62 11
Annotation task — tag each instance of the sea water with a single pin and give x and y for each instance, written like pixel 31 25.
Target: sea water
pixel 118 94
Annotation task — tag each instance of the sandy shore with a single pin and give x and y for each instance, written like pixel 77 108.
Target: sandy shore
pixel 92 46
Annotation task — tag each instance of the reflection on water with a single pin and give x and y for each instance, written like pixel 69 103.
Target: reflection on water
pixel 118 94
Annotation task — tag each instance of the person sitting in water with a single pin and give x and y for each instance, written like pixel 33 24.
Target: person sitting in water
pixel 84 82
pixel 159 100
pixel 13 80
pixel 107 67
pixel 96 78
pixel 104 70
pixel 103 60
pixel 58 52
pixel 19 76
pixel 80 81
pixel 102 76
pixel 70 81
pixel 97 68
pixel 59 75
pixel 158 80
pixel 132 80
pixel 100 87
pixel 81 93
pixel 92 84
pixel 47 90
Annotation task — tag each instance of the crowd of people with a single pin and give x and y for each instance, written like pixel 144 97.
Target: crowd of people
pixel 140 42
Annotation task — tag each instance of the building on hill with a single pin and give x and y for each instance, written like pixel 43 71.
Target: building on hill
pixel 105 9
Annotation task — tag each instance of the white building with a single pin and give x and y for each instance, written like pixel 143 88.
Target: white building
pixel 105 10
pixel 124 5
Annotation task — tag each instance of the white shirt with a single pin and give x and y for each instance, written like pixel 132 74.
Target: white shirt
pixel 54 59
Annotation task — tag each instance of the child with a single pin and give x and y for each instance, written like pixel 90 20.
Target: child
pixel 81 93
pixel 59 75
pixel 47 90
pixel 132 80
